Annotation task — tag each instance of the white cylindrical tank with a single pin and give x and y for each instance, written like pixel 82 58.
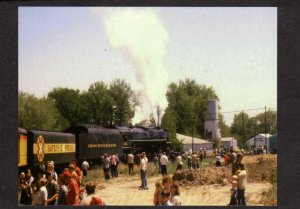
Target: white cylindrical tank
pixel 212 109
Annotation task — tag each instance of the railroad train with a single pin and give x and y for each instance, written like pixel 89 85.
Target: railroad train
pixel 86 142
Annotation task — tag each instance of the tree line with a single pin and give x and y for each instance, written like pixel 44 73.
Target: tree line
pixel 115 104
pixel 101 104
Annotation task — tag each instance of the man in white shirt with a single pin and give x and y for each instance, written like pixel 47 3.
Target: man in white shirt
pixel 85 167
pixel 130 162
pixel 164 162
pixel 143 170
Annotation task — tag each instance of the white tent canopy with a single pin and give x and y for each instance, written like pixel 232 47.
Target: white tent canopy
pixel 260 139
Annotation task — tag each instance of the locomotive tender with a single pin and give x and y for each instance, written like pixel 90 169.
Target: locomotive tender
pixel 85 142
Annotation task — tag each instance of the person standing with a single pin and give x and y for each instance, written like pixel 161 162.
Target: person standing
pixel 106 164
pixel 40 194
pixel 143 170
pixel 73 189
pixel 239 169
pixel 78 171
pixel 50 168
pixel 238 165
pixel 130 162
pixel 52 189
pixel 63 190
pixel 159 164
pixel 85 168
pixel 164 162
pixel 26 186
pixel 179 162
pixel 155 160
pixel 242 183
pixel 113 165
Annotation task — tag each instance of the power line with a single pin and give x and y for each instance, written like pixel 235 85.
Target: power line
pixel 247 110
pixel 243 110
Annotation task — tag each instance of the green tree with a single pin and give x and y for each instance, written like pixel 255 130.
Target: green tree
pixel 268 121
pixel 124 101
pixel 225 130
pixel 68 103
pixel 188 102
pixel 246 126
pixel 241 128
pixel 99 104
pixel 169 122
pixel 39 114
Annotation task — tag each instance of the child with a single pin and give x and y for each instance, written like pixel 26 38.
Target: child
pixel 234 183
pixel 175 195
pixel 165 198
pixel 167 182
pixel 156 198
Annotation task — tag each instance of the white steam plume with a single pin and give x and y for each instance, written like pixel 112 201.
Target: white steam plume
pixel 141 36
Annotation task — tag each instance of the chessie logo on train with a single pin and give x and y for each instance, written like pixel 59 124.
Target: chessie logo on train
pixel 41 148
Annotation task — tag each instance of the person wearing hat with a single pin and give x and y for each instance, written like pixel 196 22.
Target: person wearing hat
pixel 234 187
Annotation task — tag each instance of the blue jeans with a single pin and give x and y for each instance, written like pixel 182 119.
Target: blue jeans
pixel 241 196
pixel 144 178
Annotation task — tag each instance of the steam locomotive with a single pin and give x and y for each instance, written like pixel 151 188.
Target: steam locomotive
pixel 86 142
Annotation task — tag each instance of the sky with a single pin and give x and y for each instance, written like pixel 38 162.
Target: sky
pixel 232 50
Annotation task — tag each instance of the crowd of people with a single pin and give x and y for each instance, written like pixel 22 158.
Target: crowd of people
pixel 49 188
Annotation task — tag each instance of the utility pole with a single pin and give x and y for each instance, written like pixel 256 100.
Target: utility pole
pixel 266 142
pixel 243 129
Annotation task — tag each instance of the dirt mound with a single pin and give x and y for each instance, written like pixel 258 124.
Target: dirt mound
pixel 204 176
pixel 259 169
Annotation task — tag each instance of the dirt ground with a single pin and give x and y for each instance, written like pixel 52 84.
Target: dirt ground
pixel 124 189
pixel 119 192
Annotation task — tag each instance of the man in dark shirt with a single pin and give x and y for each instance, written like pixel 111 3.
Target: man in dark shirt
pixel 52 189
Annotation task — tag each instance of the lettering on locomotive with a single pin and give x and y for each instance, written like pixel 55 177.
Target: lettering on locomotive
pixel 90 146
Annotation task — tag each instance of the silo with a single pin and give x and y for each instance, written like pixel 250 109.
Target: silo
pixel 212 109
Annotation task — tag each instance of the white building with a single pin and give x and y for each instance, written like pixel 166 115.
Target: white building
pixel 228 142
pixel 189 141
pixel 260 139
